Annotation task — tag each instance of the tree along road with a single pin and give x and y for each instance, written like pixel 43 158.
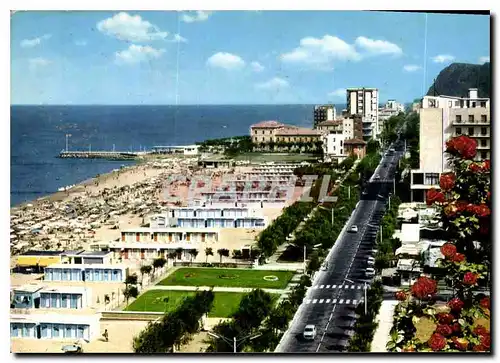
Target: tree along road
pixel 330 303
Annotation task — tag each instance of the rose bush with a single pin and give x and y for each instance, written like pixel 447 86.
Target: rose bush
pixel 421 323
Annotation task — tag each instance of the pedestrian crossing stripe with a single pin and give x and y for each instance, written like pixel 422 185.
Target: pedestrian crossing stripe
pixel 341 301
pixel 308 301
pixel 348 301
pixel 334 301
pixel 352 287
pixel 355 302
pixel 315 301
pixel 321 301
pixel 328 301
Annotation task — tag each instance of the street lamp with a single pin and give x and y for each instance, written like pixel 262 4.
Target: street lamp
pixel 364 287
pixel 234 342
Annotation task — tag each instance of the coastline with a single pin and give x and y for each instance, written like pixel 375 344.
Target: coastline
pixel 78 188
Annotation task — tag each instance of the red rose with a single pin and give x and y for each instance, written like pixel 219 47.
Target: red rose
pixel 458 257
pixel 424 288
pixel 470 278
pixel 434 196
pixel 448 250
pixel 437 342
pixel 456 328
pixel 456 304
pixel 482 210
pixel 479 348
pixel 471 208
pixel 485 302
pixel 475 168
pixel 401 295
pixel 461 205
pixel 445 318
pixel 460 343
pixel 485 341
pixel 444 330
pixel 447 181
pixel 481 331
pixel 469 150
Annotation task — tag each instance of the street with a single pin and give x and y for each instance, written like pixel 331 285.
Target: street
pixel 331 301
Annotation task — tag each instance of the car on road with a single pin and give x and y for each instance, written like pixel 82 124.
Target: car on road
pixel 370 272
pixel 309 332
pixel 354 228
pixel 391 150
pixel 370 260
pixel 377 177
pixel 365 192
pixel 324 267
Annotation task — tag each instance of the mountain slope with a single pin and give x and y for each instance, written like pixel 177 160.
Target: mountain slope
pixel 457 78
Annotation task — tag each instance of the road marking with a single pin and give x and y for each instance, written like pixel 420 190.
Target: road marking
pixel 346 286
pixel 315 301
pixel 348 301
pixel 322 286
pixel 321 301
pixel 352 287
pixel 341 301
pixel 308 301
pixel 331 316
pixel 315 287
pixel 355 302
pixel 327 286
pixel 328 301
pixel 334 286
pixel 334 301
pixel 359 287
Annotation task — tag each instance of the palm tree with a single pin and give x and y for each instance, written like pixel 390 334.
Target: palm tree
pixel 193 253
pixel 158 263
pixel 208 252
pixel 223 252
pixel 130 291
pixel 179 253
pixel 146 269
pixel 131 280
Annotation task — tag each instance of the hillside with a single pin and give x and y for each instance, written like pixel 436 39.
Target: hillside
pixel 457 78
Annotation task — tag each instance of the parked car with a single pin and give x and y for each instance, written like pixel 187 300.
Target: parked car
pixel 370 272
pixel 324 267
pixel 309 332
pixel 354 229
pixel 370 260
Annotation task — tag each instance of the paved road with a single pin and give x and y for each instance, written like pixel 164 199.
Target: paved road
pixel 331 301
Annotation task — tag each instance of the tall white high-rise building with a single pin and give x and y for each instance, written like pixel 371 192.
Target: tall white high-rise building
pixel 364 102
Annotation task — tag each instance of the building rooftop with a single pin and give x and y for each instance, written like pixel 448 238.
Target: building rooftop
pixel 330 123
pixel 42 253
pixel 268 124
pixel 94 253
pixel 84 266
pixel 302 131
pixel 28 288
pixel 355 142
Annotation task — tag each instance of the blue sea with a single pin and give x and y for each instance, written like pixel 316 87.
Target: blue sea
pixel 38 135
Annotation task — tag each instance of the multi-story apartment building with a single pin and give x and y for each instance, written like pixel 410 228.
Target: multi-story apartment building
pixel 441 118
pixel 364 102
pixel 324 113
pixel 335 132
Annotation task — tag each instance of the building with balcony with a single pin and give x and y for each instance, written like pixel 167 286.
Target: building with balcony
pixel 158 233
pixel 54 326
pixel 364 102
pixel 43 297
pixel 297 134
pixel 442 118
pixel 86 273
pixel 263 132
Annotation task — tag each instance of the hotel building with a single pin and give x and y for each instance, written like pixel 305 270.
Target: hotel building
pixel 364 102
pixel 442 118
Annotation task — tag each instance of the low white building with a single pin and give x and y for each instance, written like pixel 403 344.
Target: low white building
pixel 44 297
pixel 54 326
pixel 87 273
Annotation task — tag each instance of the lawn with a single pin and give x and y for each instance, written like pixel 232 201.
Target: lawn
pixel 225 303
pixel 228 278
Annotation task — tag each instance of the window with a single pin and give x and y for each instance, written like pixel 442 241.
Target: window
pixel 473 104
pixel 483 118
pixel 418 178
pixel 471 131
pixel 262 132
pixel 457 103
pixel 459 131
pixel 483 142
pixel 484 155
pixel 483 103
pixel 431 179
pixel 471 118
pixel 340 142
pixel 483 131
pixel 450 104
pixel 255 132
pixel 458 118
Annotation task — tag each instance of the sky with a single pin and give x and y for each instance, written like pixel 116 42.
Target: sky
pixel 234 57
